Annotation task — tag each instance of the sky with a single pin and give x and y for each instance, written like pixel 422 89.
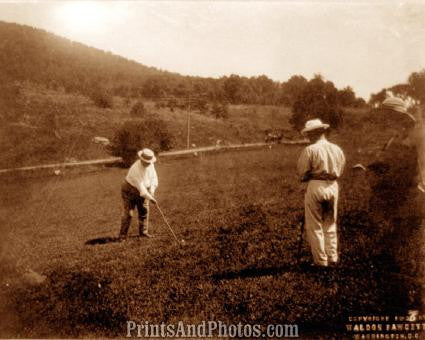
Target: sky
pixel 367 45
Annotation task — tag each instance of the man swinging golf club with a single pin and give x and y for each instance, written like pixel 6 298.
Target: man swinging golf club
pixel 321 164
pixel 137 190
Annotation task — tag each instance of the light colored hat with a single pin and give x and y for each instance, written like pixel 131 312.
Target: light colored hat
pixel 314 124
pixel 147 155
pixel 397 104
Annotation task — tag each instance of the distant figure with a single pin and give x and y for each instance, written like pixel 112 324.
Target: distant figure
pixel 137 190
pixel 321 164
pixel 273 136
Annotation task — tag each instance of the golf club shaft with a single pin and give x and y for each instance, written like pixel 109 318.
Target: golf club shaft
pixel 300 241
pixel 166 222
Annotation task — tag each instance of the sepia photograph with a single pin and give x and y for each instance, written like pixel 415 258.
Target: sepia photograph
pixel 212 169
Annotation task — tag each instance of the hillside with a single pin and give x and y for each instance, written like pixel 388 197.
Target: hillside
pixel 56 95
pixel 30 54
pixel 52 126
pixel 37 56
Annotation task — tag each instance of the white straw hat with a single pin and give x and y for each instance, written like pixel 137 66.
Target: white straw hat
pixel 147 155
pixel 314 124
pixel 397 104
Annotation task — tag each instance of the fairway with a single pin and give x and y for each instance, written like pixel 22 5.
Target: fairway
pixel 239 215
pixel 50 219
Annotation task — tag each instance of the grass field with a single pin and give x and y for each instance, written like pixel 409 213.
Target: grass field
pixel 238 213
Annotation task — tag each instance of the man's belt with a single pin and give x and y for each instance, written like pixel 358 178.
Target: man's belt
pixel 324 177
pixel 319 177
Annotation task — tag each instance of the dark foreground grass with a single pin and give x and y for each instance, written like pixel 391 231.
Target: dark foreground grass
pixel 238 213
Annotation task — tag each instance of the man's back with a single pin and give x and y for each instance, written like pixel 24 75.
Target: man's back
pixel 321 158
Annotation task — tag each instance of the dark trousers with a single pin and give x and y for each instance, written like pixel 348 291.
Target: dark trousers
pixel 131 198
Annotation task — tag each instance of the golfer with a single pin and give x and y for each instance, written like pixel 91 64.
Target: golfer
pixel 321 164
pixel 137 190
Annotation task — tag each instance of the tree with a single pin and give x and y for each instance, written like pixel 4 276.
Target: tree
pixel 319 99
pixel 401 90
pixel 220 110
pixel 347 97
pixel 264 88
pixel 359 103
pixel 153 88
pixel 377 98
pixel 413 91
pixel 135 134
pixel 292 89
pixel 101 97
pixel 232 88
pixel 417 86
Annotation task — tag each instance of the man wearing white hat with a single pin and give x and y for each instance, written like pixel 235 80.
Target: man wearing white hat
pixel 137 190
pixel 411 133
pixel 321 164
pixel 399 169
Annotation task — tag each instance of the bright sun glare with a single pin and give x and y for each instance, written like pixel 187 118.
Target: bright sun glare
pixel 82 16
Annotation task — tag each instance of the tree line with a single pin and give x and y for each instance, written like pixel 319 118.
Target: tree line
pixel 30 54
pixel 413 90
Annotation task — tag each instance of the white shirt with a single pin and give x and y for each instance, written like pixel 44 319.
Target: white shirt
pixel 143 178
pixel 320 159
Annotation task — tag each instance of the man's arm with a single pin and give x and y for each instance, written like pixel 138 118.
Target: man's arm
pixel 303 166
pixel 145 193
pixel 154 181
pixel 343 162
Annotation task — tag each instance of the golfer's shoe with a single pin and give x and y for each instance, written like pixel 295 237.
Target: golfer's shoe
pixel 146 234
pixel 314 268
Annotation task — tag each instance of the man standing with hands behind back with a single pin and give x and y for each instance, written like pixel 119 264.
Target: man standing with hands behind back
pixel 137 190
pixel 321 164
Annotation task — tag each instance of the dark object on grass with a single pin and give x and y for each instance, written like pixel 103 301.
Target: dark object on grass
pixel 105 240
pixel 102 240
pixel 379 167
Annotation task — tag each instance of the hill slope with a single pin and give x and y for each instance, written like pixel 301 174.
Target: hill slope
pixel 50 86
pixel 35 55
pixel 48 126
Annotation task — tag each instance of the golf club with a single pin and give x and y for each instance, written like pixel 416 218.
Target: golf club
pixel 168 225
pixel 300 238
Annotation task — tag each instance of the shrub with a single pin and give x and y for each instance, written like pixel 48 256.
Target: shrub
pixel 160 104
pixel 200 104
pixel 172 104
pixel 102 98
pixel 317 100
pixel 138 110
pixel 220 110
pixel 138 133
